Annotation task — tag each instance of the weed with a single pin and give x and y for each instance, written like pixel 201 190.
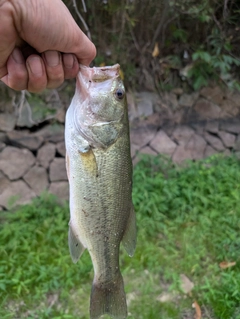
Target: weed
pixel 188 223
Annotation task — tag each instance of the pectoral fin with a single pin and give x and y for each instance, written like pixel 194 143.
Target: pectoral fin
pixel 76 248
pixel 130 235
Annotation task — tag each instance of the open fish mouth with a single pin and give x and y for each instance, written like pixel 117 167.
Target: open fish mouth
pixel 100 74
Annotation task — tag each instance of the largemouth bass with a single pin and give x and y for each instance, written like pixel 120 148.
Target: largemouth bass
pixel 99 171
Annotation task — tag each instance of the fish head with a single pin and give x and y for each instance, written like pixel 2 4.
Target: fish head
pixel 100 104
pixel 101 93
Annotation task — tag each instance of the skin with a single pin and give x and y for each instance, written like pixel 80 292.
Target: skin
pixel 40 44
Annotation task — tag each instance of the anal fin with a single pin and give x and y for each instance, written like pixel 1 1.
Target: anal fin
pixel 130 235
pixel 76 248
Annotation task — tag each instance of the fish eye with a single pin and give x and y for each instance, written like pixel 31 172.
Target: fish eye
pixel 119 93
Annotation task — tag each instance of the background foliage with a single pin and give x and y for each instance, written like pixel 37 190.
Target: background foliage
pixel 194 41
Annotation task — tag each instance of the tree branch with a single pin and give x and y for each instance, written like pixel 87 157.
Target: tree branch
pixel 81 18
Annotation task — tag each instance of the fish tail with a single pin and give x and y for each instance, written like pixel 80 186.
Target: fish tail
pixel 108 298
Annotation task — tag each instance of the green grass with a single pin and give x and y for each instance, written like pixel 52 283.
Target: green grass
pixel 188 222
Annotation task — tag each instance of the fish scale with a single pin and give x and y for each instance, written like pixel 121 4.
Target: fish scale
pixel 99 170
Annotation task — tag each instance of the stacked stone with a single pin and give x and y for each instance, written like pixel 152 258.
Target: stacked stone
pixel 31 163
pixel 179 125
pixel 185 126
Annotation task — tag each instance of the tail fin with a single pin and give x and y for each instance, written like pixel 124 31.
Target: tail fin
pixel 108 298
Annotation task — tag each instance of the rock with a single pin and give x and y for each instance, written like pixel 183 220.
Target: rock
pixel 2 146
pixel 17 193
pixel 229 109
pixel 209 151
pixel 214 141
pixel 141 104
pixel 162 144
pixel 213 94
pixel 37 179
pixel 196 146
pixel 212 127
pixel 169 100
pixel 4 183
pixel 182 134
pixel 177 91
pixel 131 105
pixel 61 148
pixel 3 137
pixel 198 128
pixel 234 96
pixel 181 154
pixel 231 126
pixel 147 150
pixel 46 154
pixel 237 144
pixel 52 133
pixel 207 110
pixel 228 139
pixel 187 100
pixel 25 140
pixel 15 162
pixel 60 115
pixel 60 189
pixel 186 284
pixel 148 80
pixel 168 129
pixel 145 101
pixel 7 122
pixel 166 297
pixel 142 135
pixel 36 109
pixel 152 122
pixel 57 171
pixel 134 149
pixel 227 152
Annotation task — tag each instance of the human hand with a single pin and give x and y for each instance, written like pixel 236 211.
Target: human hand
pixel 40 44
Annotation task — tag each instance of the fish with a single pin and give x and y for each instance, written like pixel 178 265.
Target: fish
pixel 99 169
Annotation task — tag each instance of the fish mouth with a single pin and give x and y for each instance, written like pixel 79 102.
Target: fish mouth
pixel 93 77
pixel 100 74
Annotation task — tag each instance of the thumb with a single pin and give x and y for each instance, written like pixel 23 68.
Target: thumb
pixel 84 49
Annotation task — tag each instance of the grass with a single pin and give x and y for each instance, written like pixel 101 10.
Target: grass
pixel 188 223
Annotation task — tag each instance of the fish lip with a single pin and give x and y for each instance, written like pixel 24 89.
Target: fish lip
pixel 100 74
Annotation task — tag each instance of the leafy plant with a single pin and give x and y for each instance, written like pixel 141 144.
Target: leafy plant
pixel 188 223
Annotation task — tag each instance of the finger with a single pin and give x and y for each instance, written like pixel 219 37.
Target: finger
pixel 70 65
pixel 54 68
pixel 37 77
pixel 85 50
pixel 17 75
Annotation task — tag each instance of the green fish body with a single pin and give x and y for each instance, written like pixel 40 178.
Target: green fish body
pixel 99 170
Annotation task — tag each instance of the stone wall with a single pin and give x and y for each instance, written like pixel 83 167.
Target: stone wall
pixel 182 126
